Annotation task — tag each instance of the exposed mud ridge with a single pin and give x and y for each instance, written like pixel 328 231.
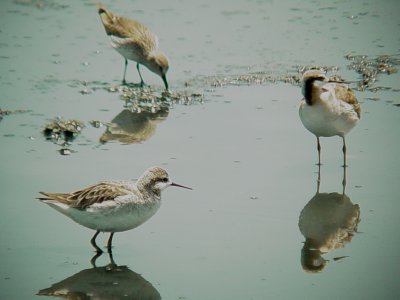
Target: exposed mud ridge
pixel 143 98
pixel 292 77
pixel 370 68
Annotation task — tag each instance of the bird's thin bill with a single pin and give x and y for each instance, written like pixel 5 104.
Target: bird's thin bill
pixel 164 78
pixel 182 186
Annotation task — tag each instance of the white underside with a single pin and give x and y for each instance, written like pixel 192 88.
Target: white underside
pixel 328 117
pixel 110 216
pixel 126 49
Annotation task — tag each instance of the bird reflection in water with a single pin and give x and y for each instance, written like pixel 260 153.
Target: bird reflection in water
pixel 132 127
pixel 107 282
pixel 328 222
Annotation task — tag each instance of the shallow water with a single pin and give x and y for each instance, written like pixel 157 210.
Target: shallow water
pixel 230 130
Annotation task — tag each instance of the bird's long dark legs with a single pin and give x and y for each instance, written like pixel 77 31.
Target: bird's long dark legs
pixel 112 264
pixel 109 243
pixel 319 151
pixel 126 65
pixel 93 242
pixel 344 153
pixel 141 78
pixel 319 178
pixel 94 258
pixel 344 182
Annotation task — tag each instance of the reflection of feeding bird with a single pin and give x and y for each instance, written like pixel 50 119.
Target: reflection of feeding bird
pixel 113 206
pixel 329 108
pixel 328 222
pixel 108 282
pixel 134 41
pixel 132 127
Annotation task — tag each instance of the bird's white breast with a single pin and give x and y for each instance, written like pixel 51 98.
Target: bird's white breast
pixel 111 216
pixel 328 116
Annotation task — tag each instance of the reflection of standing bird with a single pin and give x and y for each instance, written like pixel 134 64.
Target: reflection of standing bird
pixel 133 127
pixel 113 206
pixel 329 108
pixel 328 222
pixel 108 282
pixel 134 41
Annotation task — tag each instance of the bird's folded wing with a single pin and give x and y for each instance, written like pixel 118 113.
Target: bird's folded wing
pixel 103 191
pixel 347 95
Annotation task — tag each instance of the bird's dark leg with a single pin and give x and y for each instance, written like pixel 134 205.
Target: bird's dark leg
pixel 93 242
pixel 109 243
pixel 112 262
pixel 141 78
pixel 126 65
pixel 344 152
pixel 319 151
pixel 94 258
pixel 319 178
pixel 112 265
pixel 344 180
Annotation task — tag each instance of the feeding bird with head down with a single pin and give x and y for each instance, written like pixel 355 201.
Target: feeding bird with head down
pixel 134 41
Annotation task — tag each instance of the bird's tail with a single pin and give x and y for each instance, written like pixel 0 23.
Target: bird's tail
pixel 46 196
pixel 52 197
pixel 105 15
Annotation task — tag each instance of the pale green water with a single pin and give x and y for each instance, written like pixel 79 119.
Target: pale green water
pixel 243 150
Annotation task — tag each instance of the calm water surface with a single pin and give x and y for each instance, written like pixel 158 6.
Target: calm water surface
pixel 255 226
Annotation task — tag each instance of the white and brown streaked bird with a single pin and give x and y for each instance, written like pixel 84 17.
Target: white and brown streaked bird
pixel 134 41
pixel 329 107
pixel 113 206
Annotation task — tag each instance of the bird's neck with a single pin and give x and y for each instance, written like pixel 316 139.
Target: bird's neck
pixel 148 192
pixel 310 91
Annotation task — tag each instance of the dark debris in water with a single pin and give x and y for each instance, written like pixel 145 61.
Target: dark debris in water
pixel 66 151
pixel 96 124
pixel 338 258
pixel 6 112
pixel 62 131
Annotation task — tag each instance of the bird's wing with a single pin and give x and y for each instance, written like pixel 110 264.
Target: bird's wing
pixel 103 191
pixel 123 28
pixel 346 94
pixel 133 44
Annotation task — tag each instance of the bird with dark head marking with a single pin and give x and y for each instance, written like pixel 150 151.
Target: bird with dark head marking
pixel 329 108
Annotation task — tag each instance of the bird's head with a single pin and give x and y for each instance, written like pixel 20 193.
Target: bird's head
pixel 308 83
pixel 158 63
pixel 156 179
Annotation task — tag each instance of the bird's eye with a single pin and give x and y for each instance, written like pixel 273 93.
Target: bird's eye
pixel 165 179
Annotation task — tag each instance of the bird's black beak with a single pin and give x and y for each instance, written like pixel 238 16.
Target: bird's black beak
pixel 182 186
pixel 164 78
